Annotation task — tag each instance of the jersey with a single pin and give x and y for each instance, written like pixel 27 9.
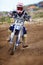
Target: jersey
pixel 20 18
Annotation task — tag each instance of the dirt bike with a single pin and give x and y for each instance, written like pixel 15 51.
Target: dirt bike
pixel 17 26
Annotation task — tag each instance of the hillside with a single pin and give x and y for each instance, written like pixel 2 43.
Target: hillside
pixel 33 6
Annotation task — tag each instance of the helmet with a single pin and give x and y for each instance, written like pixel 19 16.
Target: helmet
pixel 20 7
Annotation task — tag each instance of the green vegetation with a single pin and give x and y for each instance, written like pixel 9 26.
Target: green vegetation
pixel 2 19
pixel 8 19
pixel 38 15
pixel 5 19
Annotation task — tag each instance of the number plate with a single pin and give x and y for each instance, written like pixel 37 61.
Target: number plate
pixel 17 27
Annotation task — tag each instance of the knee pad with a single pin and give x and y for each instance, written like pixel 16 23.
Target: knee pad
pixel 12 34
pixel 25 35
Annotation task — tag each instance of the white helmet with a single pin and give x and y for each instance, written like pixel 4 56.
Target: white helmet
pixel 20 8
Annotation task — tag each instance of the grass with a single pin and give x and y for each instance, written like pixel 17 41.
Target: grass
pixel 38 15
pixel 5 19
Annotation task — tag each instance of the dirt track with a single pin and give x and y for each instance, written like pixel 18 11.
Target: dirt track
pixel 31 56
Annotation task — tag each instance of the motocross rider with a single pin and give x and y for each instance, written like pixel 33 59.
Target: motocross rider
pixel 20 16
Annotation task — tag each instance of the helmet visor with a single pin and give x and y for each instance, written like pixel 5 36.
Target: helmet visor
pixel 20 8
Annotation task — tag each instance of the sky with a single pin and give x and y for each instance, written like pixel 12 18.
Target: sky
pixel 10 5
